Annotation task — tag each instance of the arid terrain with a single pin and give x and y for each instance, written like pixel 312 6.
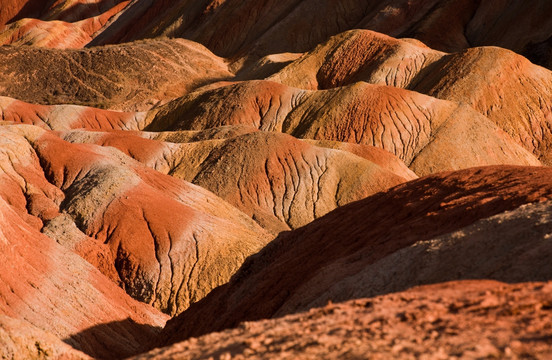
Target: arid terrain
pixel 293 179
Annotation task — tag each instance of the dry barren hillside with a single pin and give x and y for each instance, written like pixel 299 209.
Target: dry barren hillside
pixel 290 179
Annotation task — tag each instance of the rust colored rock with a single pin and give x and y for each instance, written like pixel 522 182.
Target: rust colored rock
pixel 499 84
pixel 171 242
pixel 65 117
pixel 356 236
pixel 505 87
pixel 56 291
pixel 417 129
pixel 467 319
pixel 359 55
pixel 280 181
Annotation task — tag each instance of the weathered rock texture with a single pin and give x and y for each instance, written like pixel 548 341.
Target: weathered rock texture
pixel 233 160
pixel 278 180
pixel 303 265
pixel 119 76
pixel 21 341
pixel 468 319
pixel 417 129
pixel 166 241
pixel 47 285
pixel 503 86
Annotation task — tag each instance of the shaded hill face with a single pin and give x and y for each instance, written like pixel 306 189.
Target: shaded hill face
pixel 351 239
pixel 57 33
pixel 472 319
pixel 63 10
pixel 286 26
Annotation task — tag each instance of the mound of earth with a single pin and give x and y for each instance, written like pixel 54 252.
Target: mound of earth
pixel 133 76
pixel 66 117
pixel 418 129
pixel 255 28
pixel 49 287
pixel 169 242
pixel 326 259
pixel 281 182
pixel 499 84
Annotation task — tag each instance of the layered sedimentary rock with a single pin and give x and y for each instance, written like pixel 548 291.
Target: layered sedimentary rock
pixel 65 117
pixel 249 162
pixel 21 340
pixel 166 241
pixel 48 286
pixel 499 84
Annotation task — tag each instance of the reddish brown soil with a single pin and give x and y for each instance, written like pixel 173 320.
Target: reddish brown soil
pixel 459 320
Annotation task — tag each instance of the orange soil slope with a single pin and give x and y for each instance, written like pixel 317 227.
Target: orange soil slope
pixel 168 242
pixel 50 287
pixel 503 86
pixel 278 180
pixel 418 129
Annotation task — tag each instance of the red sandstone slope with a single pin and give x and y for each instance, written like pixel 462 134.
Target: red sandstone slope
pixel 49 286
pixel 417 129
pixel 503 86
pixel 168 242
pixel 342 115
pixel 468 319
pixel 280 181
pixel 65 117
pixel 287 275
